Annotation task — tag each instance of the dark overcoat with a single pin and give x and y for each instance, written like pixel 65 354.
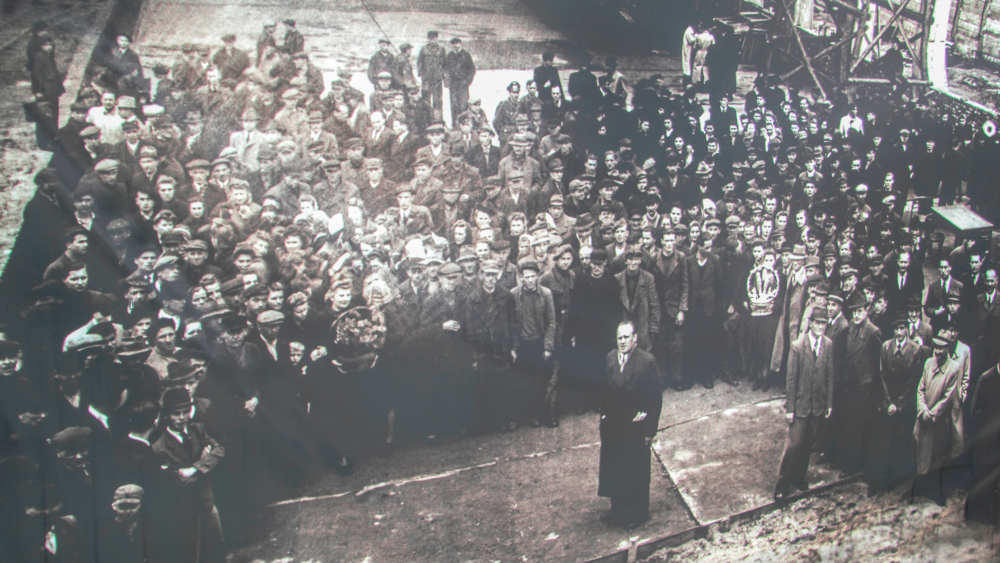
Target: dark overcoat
pixel 624 469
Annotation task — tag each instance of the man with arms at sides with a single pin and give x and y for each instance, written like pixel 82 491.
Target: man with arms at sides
pixel 630 410
pixel 809 400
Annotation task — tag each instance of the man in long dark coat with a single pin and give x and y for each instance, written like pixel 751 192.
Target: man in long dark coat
pixel 859 347
pixel 983 504
pixel 630 410
pixel 892 433
pixel 187 456
pixel 594 310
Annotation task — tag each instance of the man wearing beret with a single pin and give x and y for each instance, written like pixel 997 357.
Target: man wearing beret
pixel 187 456
pixel 533 342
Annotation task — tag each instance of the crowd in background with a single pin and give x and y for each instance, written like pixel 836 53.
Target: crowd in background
pixel 236 275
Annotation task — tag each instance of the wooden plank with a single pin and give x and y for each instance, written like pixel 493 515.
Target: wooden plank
pixel 875 41
pixel 962 218
pixel 802 48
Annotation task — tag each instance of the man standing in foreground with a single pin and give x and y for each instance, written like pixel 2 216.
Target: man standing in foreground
pixel 630 411
pixel 808 400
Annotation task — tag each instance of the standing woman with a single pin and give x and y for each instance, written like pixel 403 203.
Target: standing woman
pixel 47 87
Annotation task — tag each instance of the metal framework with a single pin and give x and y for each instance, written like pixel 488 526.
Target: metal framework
pixel 859 28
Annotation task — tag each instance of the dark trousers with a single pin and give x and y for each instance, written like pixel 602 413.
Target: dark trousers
pixel 890 456
pixel 703 337
pixel 433 93
pixel 669 351
pixel 795 459
pixel 534 373
pixel 459 96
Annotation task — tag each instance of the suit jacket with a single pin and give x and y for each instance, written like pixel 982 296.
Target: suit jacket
pixel 487 166
pixel 546 77
pixel 428 153
pixel 547 321
pixel 671 284
pixel 199 450
pixel 988 326
pixel 378 146
pixel 643 308
pixel 897 297
pixel 861 352
pixel 936 295
pixel 899 373
pixel 247 147
pixel 629 390
pixel 703 285
pixel 809 378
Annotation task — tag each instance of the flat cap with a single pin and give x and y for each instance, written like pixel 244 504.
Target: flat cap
pixel 73 438
pixel 130 491
pixel 165 261
pixel 106 165
pixel 270 317
pixel 197 163
pixel 527 264
pixel 450 269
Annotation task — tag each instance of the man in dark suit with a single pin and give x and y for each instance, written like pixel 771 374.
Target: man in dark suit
pixel 892 433
pixel 547 76
pixel 583 87
pixel 231 61
pixel 808 401
pixel 858 349
pixel 187 454
pixel 459 70
pixel 670 270
pixel 630 411
pixel 704 326
pixel 906 282
pixel 937 294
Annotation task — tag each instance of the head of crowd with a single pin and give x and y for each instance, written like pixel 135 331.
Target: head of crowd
pixel 235 215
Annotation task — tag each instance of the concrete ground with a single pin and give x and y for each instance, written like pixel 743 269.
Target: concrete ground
pixel 531 494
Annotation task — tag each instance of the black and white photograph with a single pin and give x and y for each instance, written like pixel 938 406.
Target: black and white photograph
pixel 323 281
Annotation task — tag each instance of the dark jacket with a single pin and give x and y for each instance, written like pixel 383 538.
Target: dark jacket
pixel 809 378
pixel 624 460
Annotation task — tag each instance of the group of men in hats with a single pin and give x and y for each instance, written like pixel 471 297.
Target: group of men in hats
pixel 257 279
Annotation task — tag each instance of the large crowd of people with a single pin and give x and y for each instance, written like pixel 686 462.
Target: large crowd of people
pixel 236 276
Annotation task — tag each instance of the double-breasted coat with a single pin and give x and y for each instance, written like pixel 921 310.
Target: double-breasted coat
pixel 624 462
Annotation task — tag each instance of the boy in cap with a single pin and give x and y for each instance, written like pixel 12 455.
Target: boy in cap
pixel 533 342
